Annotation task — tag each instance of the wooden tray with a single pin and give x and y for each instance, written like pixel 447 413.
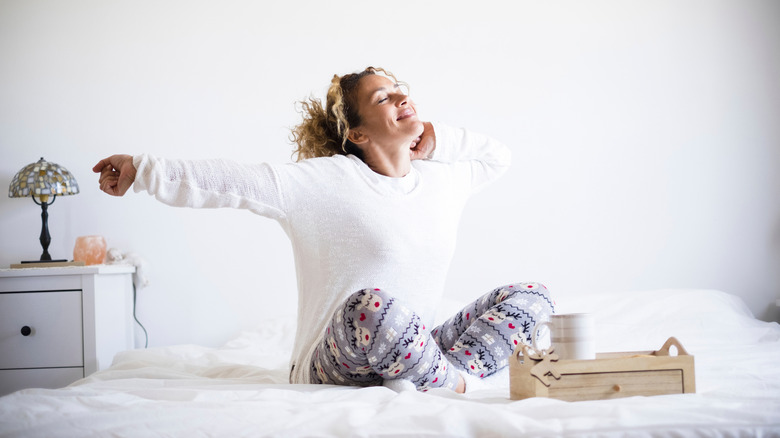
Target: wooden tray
pixel 610 375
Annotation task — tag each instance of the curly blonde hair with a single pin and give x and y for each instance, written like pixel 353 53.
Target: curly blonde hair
pixel 323 131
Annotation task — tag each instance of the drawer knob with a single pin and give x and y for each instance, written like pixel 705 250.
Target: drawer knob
pixel 26 331
pixel 617 388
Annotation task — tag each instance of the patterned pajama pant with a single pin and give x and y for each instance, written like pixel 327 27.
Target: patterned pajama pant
pixel 373 337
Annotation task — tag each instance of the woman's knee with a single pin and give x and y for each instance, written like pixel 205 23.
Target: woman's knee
pixel 372 300
pixel 527 287
pixel 534 294
pixel 369 308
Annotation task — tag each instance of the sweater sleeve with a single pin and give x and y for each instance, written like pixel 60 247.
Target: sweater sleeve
pixel 211 184
pixel 482 158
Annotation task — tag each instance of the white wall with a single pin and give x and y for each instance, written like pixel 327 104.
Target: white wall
pixel 645 136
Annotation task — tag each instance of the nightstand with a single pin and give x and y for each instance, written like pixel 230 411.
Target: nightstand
pixel 58 325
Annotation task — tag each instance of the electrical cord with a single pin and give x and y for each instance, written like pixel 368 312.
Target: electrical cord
pixel 146 335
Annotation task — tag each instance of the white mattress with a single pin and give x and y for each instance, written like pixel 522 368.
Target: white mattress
pixel 241 389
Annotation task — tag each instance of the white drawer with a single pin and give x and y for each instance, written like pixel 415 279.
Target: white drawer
pixel 14 380
pixel 54 319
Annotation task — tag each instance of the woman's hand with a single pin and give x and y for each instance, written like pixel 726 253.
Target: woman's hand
pixel 117 174
pixel 424 145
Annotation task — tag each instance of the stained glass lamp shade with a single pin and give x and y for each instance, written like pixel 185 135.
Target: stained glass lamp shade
pixel 43 182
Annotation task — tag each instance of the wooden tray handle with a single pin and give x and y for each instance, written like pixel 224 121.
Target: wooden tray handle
pixel 521 352
pixel 664 351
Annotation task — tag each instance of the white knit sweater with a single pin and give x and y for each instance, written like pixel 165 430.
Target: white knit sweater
pixel 350 227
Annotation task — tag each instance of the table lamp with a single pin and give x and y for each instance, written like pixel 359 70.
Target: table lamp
pixel 43 180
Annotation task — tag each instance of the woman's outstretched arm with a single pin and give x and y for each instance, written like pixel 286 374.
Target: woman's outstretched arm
pixel 213 183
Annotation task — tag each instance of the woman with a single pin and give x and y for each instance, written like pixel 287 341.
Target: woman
pixel 371 209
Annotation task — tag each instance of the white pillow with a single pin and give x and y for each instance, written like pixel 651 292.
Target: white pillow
pixel 635 321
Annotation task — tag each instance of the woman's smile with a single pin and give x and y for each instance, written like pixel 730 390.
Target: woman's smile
pixel 405 114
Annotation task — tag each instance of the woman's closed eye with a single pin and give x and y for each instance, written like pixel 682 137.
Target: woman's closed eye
pixel 397 89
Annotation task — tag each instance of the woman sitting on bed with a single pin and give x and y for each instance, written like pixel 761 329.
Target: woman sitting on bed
pixel 372 209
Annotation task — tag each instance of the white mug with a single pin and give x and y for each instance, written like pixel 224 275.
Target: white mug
pixel 573 335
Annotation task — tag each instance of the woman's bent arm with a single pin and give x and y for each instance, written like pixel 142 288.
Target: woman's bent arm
pixel 484 158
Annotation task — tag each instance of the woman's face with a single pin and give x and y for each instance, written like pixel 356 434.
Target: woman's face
pixel 388 116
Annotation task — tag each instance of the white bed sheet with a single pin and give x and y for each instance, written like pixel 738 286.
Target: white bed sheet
pixel 241 389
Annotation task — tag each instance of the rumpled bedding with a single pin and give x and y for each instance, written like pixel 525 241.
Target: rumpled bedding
pixel 241 388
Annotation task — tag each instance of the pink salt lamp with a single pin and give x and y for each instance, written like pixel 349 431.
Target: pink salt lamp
pixel 90 250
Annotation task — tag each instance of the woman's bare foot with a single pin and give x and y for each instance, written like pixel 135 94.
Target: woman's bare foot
pixel 461 388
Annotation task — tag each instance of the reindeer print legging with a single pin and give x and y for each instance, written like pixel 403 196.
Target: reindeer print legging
pixel 373 337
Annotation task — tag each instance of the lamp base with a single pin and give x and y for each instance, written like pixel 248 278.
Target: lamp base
pixel 46 264
pixel 44 261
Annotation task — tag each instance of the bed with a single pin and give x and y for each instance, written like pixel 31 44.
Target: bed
pixel 241 388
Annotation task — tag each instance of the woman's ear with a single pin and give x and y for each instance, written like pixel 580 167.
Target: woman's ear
pixel 356 136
